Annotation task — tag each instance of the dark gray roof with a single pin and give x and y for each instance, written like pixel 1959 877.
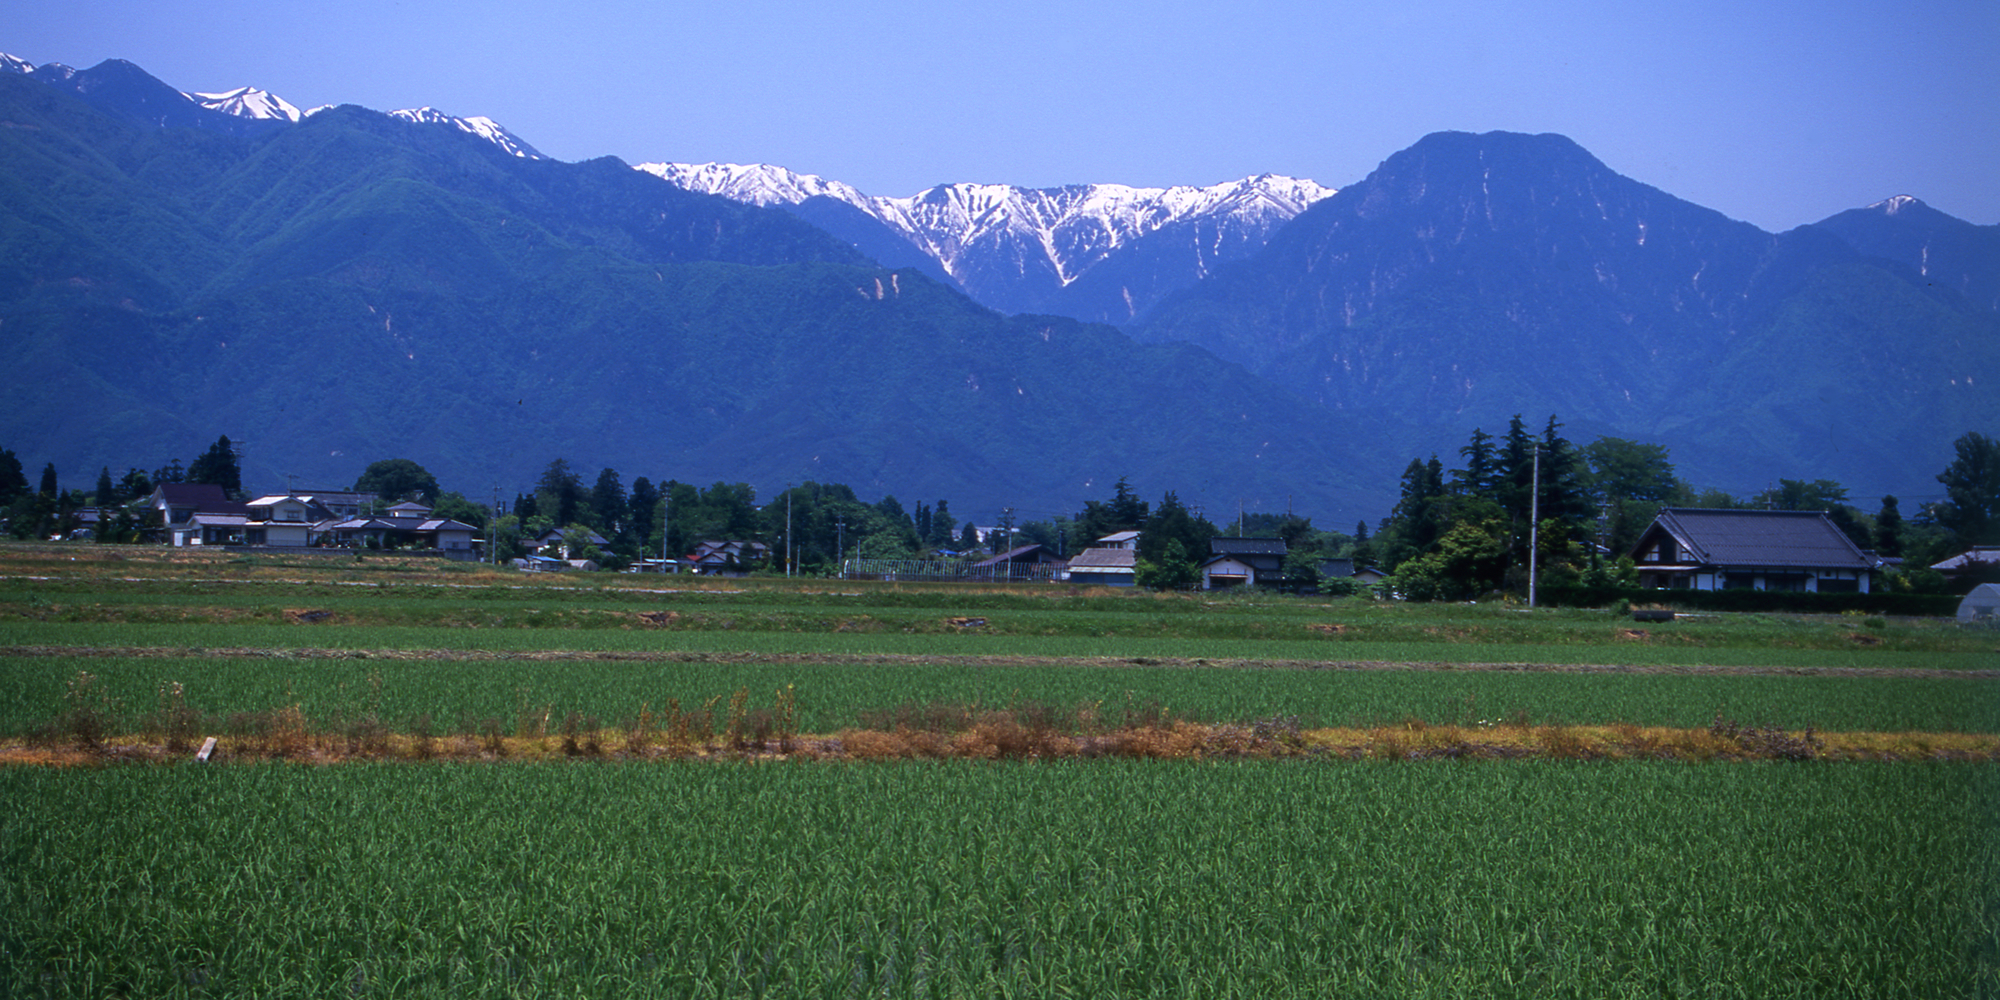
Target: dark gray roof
pixel 1030 553
pixel 1336 567
pixel 1802 538
pixel 1247 546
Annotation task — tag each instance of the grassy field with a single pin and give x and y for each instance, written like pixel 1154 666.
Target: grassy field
pixel 750 875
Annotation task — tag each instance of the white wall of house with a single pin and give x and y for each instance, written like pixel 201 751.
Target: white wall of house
pixel 1229 570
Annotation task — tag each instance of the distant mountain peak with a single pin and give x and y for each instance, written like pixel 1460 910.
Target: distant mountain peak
pixel 249 102
pixel 1013 247
pixel 15 64
pixel 479 125
pixel 1896 204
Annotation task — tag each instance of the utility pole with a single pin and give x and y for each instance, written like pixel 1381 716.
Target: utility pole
pixel 666 513
pixel 1534 523
pixel 840 543
pixel 790 548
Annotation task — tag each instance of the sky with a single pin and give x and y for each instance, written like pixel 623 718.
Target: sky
pixel 1778 114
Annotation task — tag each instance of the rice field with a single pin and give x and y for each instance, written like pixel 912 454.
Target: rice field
pixel 1084 879
pixel 611 876
pixel 837 693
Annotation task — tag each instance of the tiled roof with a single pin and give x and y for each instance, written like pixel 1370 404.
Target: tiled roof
pixel 1802 538
pixel 1247 546
pixel 1032 552
pixel 1972 556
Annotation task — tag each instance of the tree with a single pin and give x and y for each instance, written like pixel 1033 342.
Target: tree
pixel 1629 470
pixel 576 543
pixel 134 485
pixel 107 491
pixel 1889 529
pixel 943 525
pixel 1797 494
pixel 609 510
pixel 503 538
pixel 559 493
pixel 398 479
pixel 1172 571
pixel 645 505
pixel 1468 561
pixel 1172 522
pixel 1971 508
pixel 13 480
pixel 217 467
pixel 456 507
pixel 172 472
pixel 49 488
pixel 1477 478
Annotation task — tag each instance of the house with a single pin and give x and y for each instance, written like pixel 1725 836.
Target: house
pixel 1788 550
pixel 340 503
pixel 727 558
pixel 1104 567
pixel 1119 540
pixel 405 525
pixel 1243 562
pixel 199 514
pixel 284 519
pixel 551 541
pixel 1981 562
pixel 1334 569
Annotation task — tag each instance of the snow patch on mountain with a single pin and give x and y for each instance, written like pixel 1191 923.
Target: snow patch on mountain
pixel 1891 206
pixel 249 102
pixel 754 183
pixel 1072 228
pixel 479 125
pixel 15 64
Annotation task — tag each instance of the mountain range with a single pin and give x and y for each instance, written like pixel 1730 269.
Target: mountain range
pixel 339 285
pixel 1095 252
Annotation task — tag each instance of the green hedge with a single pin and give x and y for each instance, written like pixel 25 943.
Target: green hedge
pixel 1916 605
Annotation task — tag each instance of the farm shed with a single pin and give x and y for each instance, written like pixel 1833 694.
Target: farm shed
pixel 1108 567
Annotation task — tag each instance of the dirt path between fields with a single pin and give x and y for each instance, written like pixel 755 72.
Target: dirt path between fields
pixel 892 659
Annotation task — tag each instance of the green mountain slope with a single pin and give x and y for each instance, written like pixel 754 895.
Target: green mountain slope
pixel 1472 277
pixel 355 287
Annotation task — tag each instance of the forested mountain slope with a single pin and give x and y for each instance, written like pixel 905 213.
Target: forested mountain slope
pixel 1471 277
pixel 352 287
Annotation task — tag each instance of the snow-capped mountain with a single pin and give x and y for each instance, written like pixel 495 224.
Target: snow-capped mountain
pixel 249 102
pixel 479 125
pixel 1040 249
pixel 119 84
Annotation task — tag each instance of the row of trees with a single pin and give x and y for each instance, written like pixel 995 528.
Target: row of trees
pixel 1454 533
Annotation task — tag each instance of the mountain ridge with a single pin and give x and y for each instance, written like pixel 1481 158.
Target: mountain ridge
pixel 1021 249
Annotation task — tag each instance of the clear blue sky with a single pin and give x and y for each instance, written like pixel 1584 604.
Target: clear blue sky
pixel 1775 113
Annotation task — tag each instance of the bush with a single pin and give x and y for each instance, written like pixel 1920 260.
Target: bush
pixel 1912 605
